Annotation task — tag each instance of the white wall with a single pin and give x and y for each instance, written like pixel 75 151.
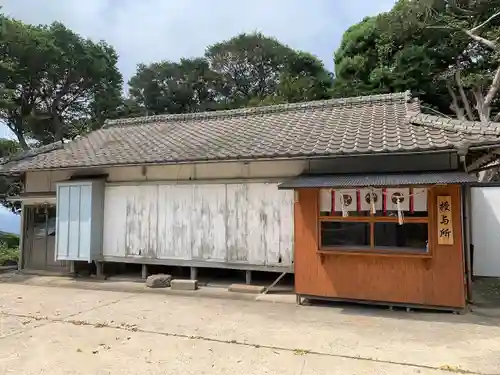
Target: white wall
pixel 485 222
pixel 249 223
pixel 45 181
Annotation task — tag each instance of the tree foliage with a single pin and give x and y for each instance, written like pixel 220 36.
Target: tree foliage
pixel 170 87
pixel 9 186
pixel 55 84
pixel 431 47
pixel 247 70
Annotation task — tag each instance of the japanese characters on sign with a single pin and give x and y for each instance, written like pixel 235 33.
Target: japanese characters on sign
pixel 444 220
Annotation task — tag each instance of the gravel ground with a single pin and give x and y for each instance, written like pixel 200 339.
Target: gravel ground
pixel 59 330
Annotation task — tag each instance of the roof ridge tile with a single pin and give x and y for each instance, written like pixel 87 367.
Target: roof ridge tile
pixel 252 111
pixel 455 125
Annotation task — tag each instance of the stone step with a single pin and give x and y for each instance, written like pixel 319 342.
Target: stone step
pixel 179 284
pixel 245 288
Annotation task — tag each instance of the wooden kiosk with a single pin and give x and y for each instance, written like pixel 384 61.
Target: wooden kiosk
pixel 390 239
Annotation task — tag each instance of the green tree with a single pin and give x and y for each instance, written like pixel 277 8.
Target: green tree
pixel 247 70
pixel 249 65
pixel 11 185
pixel 55 83
pixel 254 68
pixel 441 50
pixel 473 80
pixel 170 87
pixel 304 79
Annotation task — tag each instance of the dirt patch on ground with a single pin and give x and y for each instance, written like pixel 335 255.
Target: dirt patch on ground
pixel 486 292
pixel 486 297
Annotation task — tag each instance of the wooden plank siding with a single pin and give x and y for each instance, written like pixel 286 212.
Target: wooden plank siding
pixel 239 223
pixel 433 279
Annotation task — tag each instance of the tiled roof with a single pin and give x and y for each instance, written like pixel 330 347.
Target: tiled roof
pixel 361 125
pixel 453 125
pixel 375 180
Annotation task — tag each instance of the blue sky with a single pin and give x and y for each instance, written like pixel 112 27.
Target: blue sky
pixel 152 30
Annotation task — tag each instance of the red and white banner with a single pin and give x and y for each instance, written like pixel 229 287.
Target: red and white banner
pixel 392 195
pixel 346 198
pixel 366 197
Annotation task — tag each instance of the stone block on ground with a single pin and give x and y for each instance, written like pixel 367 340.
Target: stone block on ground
pixel 158 281
pixel 179 284
pixel 245 288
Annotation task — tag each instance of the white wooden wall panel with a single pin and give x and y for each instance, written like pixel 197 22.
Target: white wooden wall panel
pixel 485 212
pixel 115 215
pixel 62 223
pixel 174 221
pixel 256 218
pixel 85 206
pixel 208 222
pixel 238 223
pixel 141 228
pixel 74 222
pixel 286 226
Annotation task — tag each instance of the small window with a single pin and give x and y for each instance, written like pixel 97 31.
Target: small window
pixel 370 219
pixel 44 221
pixel 412 236
pixel 345 234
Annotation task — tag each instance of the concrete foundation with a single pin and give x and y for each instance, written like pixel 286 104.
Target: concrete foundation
pixel 184 284
pixel 243 288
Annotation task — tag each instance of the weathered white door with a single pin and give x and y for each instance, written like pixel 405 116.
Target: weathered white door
pixel 249 223
pixel 485 222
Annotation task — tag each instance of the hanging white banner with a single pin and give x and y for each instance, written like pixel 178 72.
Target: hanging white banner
pixel 346 198
pixel 366 201
pixel 419 199
pixel 325 200
pixel 392 195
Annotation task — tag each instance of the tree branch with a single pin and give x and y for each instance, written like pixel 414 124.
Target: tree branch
pixel 482 109
pixel 435 111
pixel 455 106
pixel 473 30
pixel 465 101
pixel 495 86
pixel 481 40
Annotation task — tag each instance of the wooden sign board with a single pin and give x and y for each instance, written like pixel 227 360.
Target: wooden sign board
pixel 444 220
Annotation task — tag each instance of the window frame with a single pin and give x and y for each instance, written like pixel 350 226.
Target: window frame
pixel 371 219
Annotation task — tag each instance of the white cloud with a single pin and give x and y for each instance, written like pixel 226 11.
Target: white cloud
pixel 152 30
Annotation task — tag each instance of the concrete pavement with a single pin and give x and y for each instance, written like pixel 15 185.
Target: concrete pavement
pixel 55 330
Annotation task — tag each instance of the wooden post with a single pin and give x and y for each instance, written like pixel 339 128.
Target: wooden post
pixel 194 273
pixel 144 273
pixel 22 242
pixel 99 269
pixel 248 277
pixel 72 267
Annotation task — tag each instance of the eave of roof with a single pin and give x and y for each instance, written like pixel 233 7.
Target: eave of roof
pixel 378 124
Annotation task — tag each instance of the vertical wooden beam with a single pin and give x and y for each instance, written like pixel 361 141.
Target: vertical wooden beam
pixel 467 234
pixel 194 273
pixel 144 273
pixel 248 277
pixel 20 265
pixel 99 269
